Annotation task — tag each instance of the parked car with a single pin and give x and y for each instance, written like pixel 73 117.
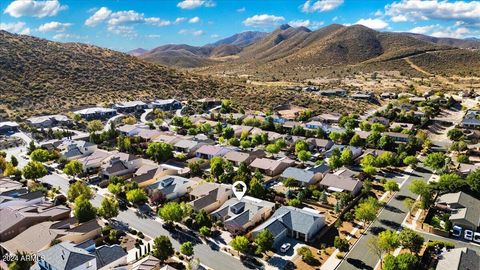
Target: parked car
pixel 468 235
pixel 456 231
pixel 476 237
pixel 285 247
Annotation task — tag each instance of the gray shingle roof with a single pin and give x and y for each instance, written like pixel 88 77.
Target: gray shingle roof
pixel 295 219
pixel 66 256
pixel 300 175
pixel 108 254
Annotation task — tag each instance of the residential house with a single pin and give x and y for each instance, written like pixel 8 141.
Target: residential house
pixel 372 152
pixel 130 106
pixel 379 120
pixel 464 169
pixel 210 151
pixel 173 187
pixel 415 100
pixel 209 196
pixel 96 113
pixel 363 134
pixel 338 92
pixel 166 104
pixel 8 127
pixel 319 145
pixel 93 162
pixel 120 164
pixel 168 138
pixel 356 151
pixel 314 125
pixel 288 221
pixel 343 180
pixel 148 135
pixel 240 215
pixel 131 130
pixel 16 219
pixel 388 95
pixel 39 236
pixel 7 184
pixel 328 118
pixel 458 259
pixel 21 197
pixel 109 257
pixel 304 177
pixel 71 149
pixel 271 167
pixel 187 146
pixel 362 96
pixel 464 209
pixel 471 119
pixel 397 136
pixel 237 157
pixel 147 263
pixel 404 126
pixel 148 174
pixel 46 121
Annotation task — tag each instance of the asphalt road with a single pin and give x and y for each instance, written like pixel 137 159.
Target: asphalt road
pixel 390 217
pixel 209 256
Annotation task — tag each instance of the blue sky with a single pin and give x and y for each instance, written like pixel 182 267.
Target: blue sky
pixel 127 24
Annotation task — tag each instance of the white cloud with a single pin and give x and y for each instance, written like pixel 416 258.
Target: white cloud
pixel 242 9
pixel 378 13
pixel 17 27
pixel 179 20
pixel 65 36
pixel 299 23
pixel 99 16
pixel 334 18
pixel 157 21
pixel 423 29
pixel 125 17
pixel 54 26
pixel 192 4
pixel 376 24
pixel 263 20
pixel 409 10
pixel 40 9
pixel 194 20
pixel 320 5
pixel 214 36
pixel 153 36
pixel 126 31
pixel 451 33
pixel 191 32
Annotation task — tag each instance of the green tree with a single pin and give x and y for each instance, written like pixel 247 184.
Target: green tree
pixel 228 132
pixel 377 127
pixel 370 170
pixel 34 170
pixel 341 244
pixel 294 202
pixel 388 240
pixel 411 240
pixel 366 210
pixel 435 161
pixel 272 148
pixel 240 244
pixel 83 210
pixel 304 155
pixel 306 254
pixel 94 126
pixel 391 186
pixel 202 219
pixel 73 168
pixel 174 212
pixel 256 189
pixel 264 241
pixel 385 159
pixel 356 141
pixel 385 142
pixel 162 248
pixel 406 261
pixel 450 182
pixel 78 189
pixel 159 151
pixel 216 166
pixel 455 134
pixel 18 263
pixel 473 180
pixel 108 207
pixel 14 161
pixel 136 196
pixel 463 159
pixel 205 231
pixel 129 120
pixel 301 145
pixel 40 155
pixel 422 189
pixel 410 161
pixel 347 156
pixel 186 248
pixel 115 189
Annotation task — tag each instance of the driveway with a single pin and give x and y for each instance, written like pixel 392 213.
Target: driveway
pixel 56 180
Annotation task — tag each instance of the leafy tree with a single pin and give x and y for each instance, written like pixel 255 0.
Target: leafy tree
pixel 455 134
pixel 386 142
pixel 335 136
pixel 347 156
pixel 202 219
pixel 294 202
pixel 435 161
pixel 162 248
pixel 174 212
pixel 83 210
pixel 186 248
pixel 78 189
pixel 365 126
pixel 240 244
pixel 136 196
pixel 450 182
pixel 341 244
pixel 14 161
pixel 422 189
pixel 377 127
pixel 390 263
pixel 372 139
pixel 216 166
pixel 301 145
pixel 334 161
pixel 245 144
pixel 73 168
pixel 40 155
pixel 304 155
pixel 391 186
pixel 159 151
pixel 228 132
pixel 410 161
pixel 129 120
pixel 388 240
pixel 367 160
pixel 473 180
pixel 256 189
pixel 264 241
pixel 272 148
pixel 108 207
pixel 411 240
pixel 463 159
pixel 370 170
pixel 115 189
pixel 356 141
pixel 366 211
pixel 205 231
pixel 34 170
pixel 94 126
pixel 407 261
pixel 385 159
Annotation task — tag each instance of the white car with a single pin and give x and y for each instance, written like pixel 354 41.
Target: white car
pixel 468 235
pixel 456 231
pixel 476 237
pixel 285 247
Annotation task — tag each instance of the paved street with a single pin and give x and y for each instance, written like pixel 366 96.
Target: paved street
pixel 208 256
pixel 18 152
pixel 391 217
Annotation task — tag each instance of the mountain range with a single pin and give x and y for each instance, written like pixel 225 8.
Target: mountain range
pixel 298 52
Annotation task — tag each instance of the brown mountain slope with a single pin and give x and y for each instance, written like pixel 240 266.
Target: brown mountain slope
pixel 454 42
pixel 41 76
